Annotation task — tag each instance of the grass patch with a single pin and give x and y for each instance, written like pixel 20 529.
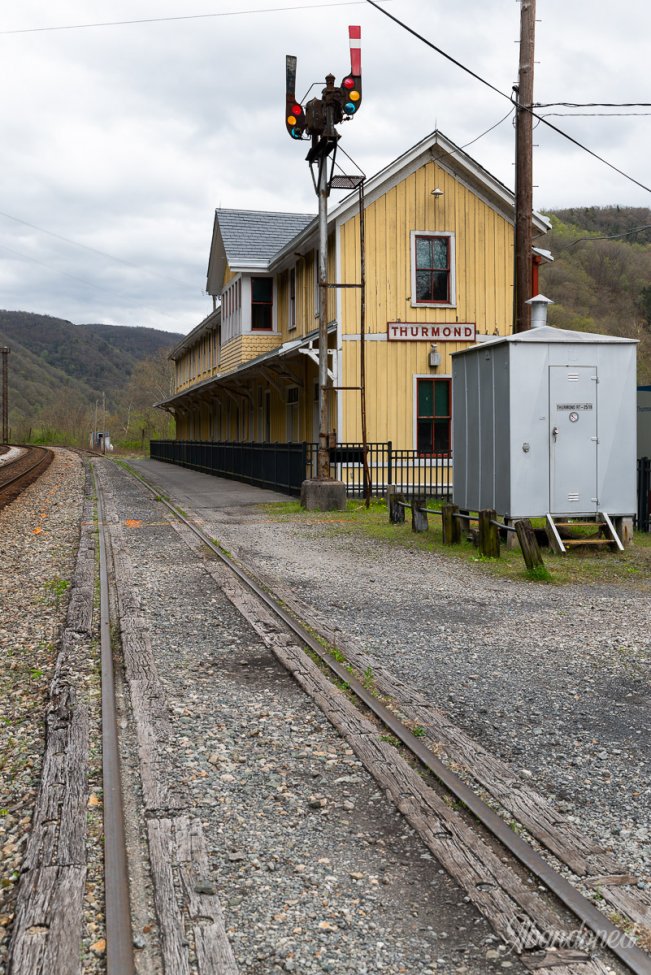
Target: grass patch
pixel 631 568
pixel 539 573
pixel 57 586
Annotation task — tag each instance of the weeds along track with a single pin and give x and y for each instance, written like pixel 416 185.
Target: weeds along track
pixel 18 474
pixel 518 863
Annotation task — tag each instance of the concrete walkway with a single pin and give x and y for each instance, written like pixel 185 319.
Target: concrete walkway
pixel 204 493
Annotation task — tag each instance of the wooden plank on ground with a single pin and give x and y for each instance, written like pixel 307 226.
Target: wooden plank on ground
pixel 214 954
pixel 47 929
pixel 177 851
pixel 47 925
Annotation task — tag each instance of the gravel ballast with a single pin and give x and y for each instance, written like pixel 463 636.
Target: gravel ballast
pixel 554 680
pixel 39 536
pixel 315 869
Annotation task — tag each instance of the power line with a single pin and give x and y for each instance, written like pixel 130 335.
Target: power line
pixel 628 233
pixel 591 105
pixel 594 114
pixel 502 94
pixel 162 20
pixel 50 267
pixel 84 281
pixel 472 141
pixel 93 250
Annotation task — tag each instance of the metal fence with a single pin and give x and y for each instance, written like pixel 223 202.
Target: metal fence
pixel 410 473
pixel 284 466
pixel 644 494
pixel 278 466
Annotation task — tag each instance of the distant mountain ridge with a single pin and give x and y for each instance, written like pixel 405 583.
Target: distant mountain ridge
pixel 52 360
pixel 600 280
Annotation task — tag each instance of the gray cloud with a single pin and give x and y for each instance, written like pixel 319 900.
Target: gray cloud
pixel 126 138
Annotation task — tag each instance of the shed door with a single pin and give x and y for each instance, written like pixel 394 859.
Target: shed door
pixel 573 439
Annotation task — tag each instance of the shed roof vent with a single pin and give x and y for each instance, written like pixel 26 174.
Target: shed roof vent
pixel 539 306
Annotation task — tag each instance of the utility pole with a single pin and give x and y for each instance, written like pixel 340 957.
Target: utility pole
pixel 524 168
pixel 4 352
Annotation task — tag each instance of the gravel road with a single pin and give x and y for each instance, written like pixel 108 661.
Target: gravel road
pixel 555 680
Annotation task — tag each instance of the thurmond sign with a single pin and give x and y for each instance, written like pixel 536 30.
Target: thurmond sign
pixel 413 332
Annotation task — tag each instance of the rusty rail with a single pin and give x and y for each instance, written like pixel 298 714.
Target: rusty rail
pixel 604 929
pixel 119 938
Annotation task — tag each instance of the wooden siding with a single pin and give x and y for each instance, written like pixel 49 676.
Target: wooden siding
pixel 245 347
pixel 484 294
pixel 484 255
pixel 483 240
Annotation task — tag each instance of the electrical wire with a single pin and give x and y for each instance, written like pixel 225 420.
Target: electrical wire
pixel 591 105
pixel 93 250
pixel 472 141
pixel 162 20
pixel 628 233
pixel 502 94
pixel 593 114
pixel 50 267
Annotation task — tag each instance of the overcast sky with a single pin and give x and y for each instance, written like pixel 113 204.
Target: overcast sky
pixel 124 139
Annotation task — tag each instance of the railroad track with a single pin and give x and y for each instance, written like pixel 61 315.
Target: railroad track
pixel 524 894
pixel 481 834
pixel 20 473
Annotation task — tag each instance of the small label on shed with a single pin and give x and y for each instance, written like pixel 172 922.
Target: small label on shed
pixel 574 406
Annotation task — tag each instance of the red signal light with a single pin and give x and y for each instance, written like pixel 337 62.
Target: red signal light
pixel 349 82
pixel 296 109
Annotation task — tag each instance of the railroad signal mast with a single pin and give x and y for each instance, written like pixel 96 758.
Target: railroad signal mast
pixel 316 121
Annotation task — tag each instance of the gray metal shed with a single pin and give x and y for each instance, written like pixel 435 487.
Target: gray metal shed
pixel 545 423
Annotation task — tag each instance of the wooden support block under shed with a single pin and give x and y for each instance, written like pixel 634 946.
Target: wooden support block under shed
pixel 529 544
pixel 418 517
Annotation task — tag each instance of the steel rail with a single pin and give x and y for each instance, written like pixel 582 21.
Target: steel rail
pixel 119 936
pixel 612 937
pixel 46 455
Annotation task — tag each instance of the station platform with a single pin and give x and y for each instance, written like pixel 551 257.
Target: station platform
pixel 204 493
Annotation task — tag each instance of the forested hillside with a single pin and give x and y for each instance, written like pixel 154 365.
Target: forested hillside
pixel 600 282
pixel 59 373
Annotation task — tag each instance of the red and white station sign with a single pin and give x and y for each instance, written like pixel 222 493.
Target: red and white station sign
pixel 414 332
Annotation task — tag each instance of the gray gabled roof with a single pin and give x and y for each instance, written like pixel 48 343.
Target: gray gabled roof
pixel 248 239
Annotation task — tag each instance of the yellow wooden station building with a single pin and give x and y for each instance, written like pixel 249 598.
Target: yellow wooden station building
pixel 439 232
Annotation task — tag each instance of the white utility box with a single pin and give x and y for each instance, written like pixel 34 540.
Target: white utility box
pixel 545 422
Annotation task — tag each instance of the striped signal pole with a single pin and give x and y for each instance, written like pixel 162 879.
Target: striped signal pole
pixel 317 120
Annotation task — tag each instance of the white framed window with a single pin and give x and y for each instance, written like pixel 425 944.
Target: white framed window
pixel 262 304
pixel 433 416
pixel 292 414
pixel 433 269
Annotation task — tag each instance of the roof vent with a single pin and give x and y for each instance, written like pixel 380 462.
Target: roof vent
pixel 539 306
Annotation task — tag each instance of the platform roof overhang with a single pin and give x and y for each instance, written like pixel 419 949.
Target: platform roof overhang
pixel 272 361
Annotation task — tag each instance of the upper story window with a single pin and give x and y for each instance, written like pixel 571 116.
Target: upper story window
pixel 432 269
pixel 262 293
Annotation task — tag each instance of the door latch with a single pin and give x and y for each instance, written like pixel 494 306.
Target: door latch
pixel 555 433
